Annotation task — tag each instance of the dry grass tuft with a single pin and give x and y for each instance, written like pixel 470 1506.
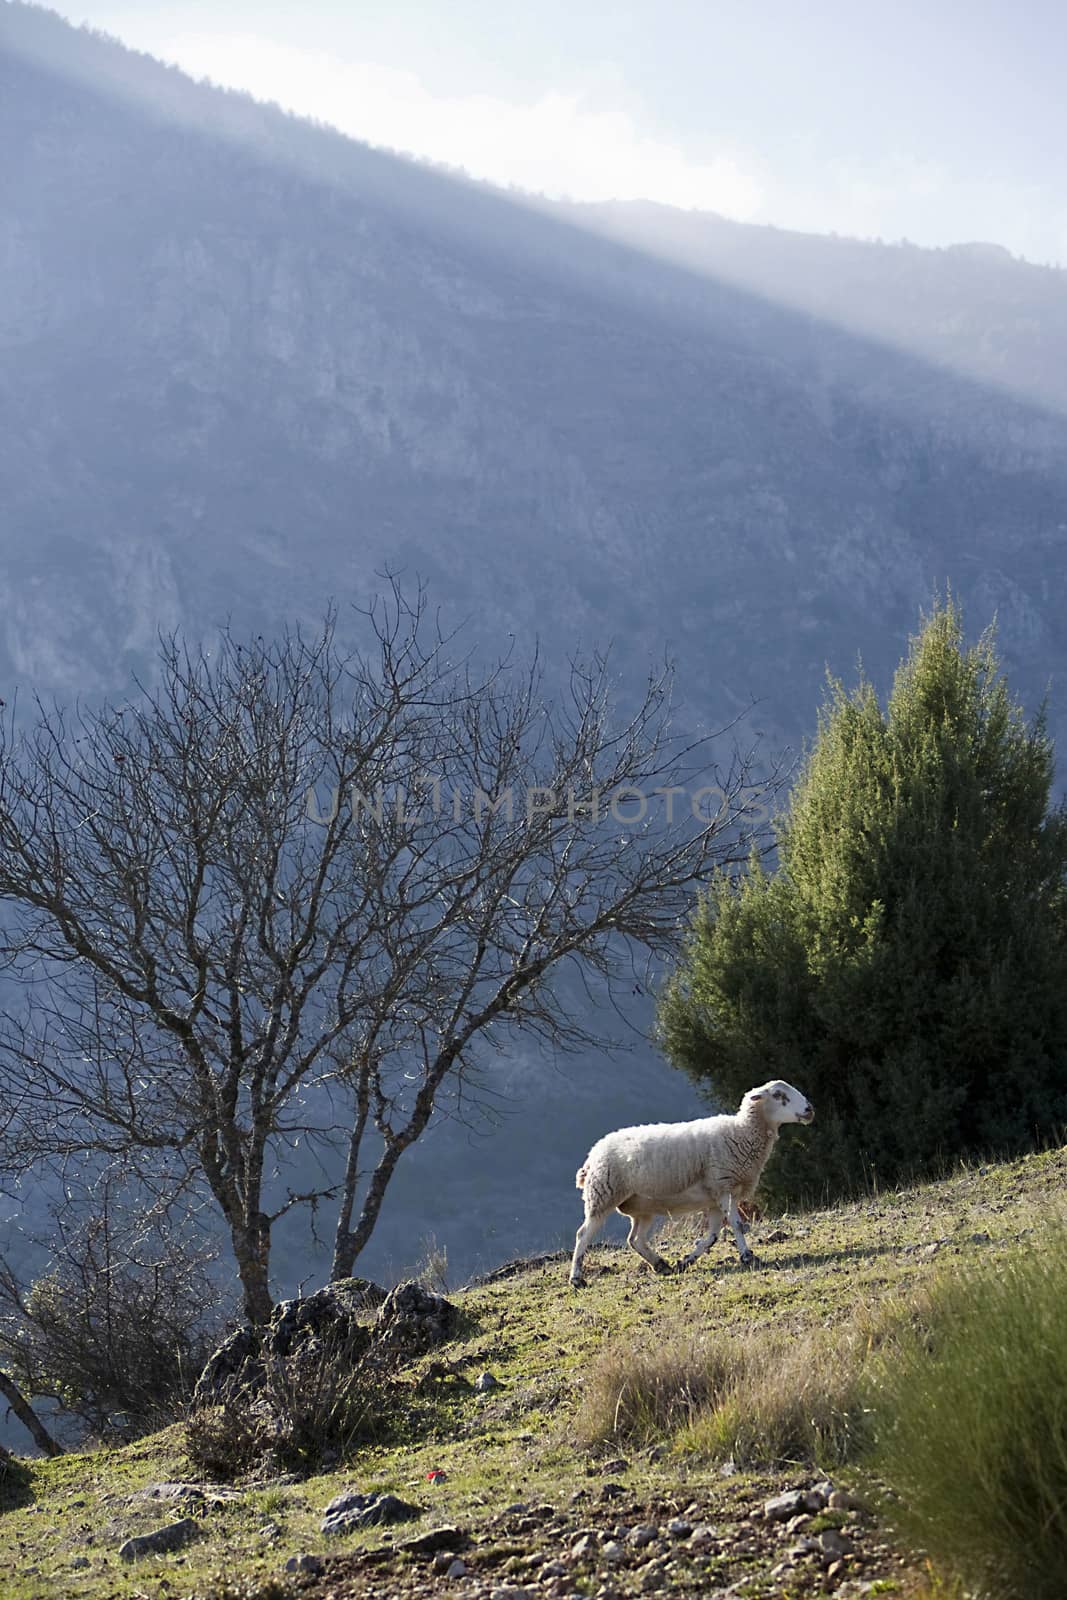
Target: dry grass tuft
pixel 765 1396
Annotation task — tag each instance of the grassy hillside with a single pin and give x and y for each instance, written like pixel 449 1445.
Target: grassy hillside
pixel 577 1443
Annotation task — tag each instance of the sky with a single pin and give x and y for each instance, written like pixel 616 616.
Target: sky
pixel 937 121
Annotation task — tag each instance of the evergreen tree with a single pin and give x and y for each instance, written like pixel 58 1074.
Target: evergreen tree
pixel 905 963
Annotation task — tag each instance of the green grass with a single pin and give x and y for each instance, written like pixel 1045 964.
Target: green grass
pixel 835 1272
pixel 973 1424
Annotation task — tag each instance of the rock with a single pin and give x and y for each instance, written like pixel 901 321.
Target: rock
pixel 198 1495
pixel 485 1383
pixel 619 1465
pixel 412 1319
pixel 161 1540
pixel 928 1251
pixel 456 1569
pixel 612 1550
pixel 784 1506
pixel 612 1491
pixel 644 1533
pixel 346 1513
pixel 234 1365
pixel 79 1563
pixel 585 1548
pixel 841 1500
pixel 552 1569
pixel 778 1236
pixel 832 1544
pixel 507 1592
pixel 814 1500
pixel 678 1528
pixel 173 1491
pixel 338 1311
pixel 835 1569
pixel 578 1496
pixel 269 1530
pixel 703 1536
pixel 728 1468
pixel 804 1546
pixel 348 1500
pixel 433 1540
pixel 795 1524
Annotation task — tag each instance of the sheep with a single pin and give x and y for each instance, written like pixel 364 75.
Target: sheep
pixel 711 1165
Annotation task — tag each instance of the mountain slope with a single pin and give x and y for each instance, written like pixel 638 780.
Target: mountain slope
pixel 519 1484
pixel 248 367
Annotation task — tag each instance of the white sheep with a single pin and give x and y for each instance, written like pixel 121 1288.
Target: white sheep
pixel 670 1168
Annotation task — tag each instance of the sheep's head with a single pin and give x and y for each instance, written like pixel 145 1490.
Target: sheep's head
pixel 778 1103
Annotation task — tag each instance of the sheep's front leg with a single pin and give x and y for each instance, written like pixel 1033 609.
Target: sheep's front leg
pixel 712 1225
pixel 584 1238
pixel 638 1240
pixel 733 1217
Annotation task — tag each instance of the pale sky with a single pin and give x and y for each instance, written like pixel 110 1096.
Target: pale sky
pixel 938 121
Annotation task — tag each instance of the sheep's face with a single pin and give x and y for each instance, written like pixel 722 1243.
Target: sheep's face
pixel 780 1103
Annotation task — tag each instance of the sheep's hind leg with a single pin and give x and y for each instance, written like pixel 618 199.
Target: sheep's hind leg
pixel 584 1238
pixel 712 1225
pixel 638 1240
pixel 733 1217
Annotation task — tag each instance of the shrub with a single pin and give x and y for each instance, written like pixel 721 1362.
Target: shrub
pixel 972 1432
pixel 330 1396
pixel 432 1268
pixel 120 1327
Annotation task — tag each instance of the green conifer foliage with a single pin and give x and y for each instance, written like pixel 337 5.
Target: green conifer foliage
pixel 905 964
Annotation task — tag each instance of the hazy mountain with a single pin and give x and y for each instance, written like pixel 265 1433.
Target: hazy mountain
pixel 971 308
pixel 245 364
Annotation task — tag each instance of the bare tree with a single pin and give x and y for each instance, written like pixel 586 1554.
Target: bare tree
pixel 289 875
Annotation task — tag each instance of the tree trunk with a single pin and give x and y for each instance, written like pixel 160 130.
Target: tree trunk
pixel 344 1253
pixel 348 1244
pixel 251 1246
pixel 27 1416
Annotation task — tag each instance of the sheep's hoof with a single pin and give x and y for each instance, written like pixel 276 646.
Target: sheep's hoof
pixel 747 1258
pixel 664 1268
pixel 579 1282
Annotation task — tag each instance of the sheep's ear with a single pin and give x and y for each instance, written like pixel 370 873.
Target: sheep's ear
pixel 754 1094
